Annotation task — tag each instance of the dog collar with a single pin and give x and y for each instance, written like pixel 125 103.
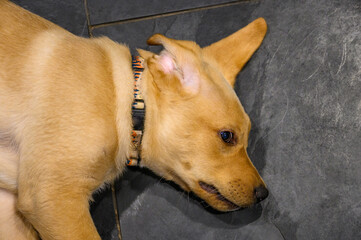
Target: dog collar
pixel 138 112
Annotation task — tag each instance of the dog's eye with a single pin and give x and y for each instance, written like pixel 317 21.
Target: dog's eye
pixel 227 137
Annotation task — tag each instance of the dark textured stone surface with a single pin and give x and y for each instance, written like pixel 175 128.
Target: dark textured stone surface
pixel 115 10
pixel 152 209
pixel 204 27
pixel 68 14
pixel 102 210
pixel 306 107
pixel 302 90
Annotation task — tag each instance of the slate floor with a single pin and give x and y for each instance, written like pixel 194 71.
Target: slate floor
pixel 302 90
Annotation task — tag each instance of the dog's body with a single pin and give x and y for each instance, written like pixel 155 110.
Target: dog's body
pixel 65 122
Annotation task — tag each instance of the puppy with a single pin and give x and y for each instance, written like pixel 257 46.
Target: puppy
pixel 66 122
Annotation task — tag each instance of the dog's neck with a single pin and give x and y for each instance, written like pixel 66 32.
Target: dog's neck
pixel 145 151
pixel 138 112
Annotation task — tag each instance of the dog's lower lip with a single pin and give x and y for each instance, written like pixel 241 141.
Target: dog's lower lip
pixel 213 190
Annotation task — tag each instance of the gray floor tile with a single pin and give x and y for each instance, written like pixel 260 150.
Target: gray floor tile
pixel 204 27
pixel 68 14
pixel 114 10
pixel 102 210
pixel 153 209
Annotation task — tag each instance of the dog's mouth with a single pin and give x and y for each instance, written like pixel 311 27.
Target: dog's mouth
pixel 214 191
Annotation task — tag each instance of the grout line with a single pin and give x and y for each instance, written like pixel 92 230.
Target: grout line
pixel 90 28
pixel 115 205
pixel 159 15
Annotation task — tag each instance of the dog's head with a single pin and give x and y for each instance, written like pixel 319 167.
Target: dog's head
pixel 196 130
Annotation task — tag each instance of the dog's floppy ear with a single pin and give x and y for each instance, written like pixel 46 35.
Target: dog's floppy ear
pixel 233 52
pixel 144 53
pixel 177 60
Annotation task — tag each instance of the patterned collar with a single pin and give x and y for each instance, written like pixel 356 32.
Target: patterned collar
pixel 138 112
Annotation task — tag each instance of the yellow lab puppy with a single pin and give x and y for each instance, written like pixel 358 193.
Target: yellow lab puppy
pixel 66 122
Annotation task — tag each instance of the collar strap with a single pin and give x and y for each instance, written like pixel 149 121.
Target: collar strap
pixel 138 112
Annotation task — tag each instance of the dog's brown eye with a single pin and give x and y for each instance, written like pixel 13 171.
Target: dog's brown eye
pixel 227 137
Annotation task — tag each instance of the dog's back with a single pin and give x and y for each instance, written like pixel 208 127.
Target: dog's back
pixel 57 98
pixel 13 56
pixel 48 80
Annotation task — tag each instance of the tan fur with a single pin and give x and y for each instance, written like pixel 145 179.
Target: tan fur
pixel 65 121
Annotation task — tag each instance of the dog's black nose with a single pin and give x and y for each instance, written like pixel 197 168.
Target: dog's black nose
pixel 261 193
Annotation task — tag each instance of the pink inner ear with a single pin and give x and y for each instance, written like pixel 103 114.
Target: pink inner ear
pixel 190 78
pixel 167 63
